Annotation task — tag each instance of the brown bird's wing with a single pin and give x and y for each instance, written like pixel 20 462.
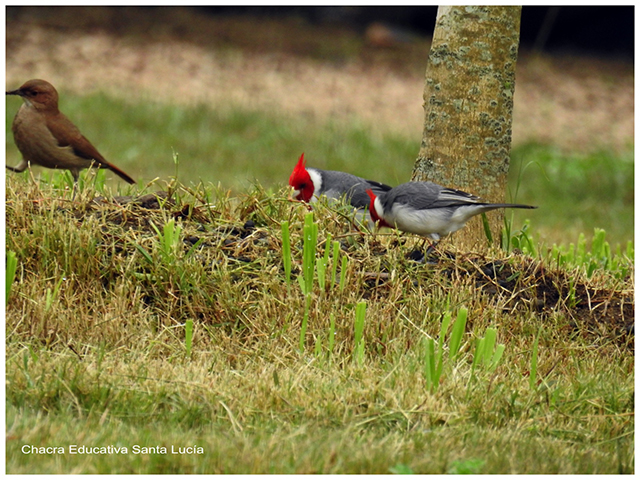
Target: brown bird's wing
pixel 67 134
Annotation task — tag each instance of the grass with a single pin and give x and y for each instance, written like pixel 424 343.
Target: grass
pixel 229 146
pixel 175 326
pixel 183 324
pixel 575 193
pixel 235 148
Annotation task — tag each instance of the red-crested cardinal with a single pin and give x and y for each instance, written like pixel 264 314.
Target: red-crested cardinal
pixel 311 183
pixel 428 209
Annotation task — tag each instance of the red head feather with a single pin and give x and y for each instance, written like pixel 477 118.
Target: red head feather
pixel 301 181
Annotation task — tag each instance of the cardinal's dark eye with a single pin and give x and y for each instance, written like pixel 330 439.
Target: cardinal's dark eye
pixel 303 185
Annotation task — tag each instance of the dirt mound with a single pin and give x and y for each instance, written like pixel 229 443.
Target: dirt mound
pixel 515 283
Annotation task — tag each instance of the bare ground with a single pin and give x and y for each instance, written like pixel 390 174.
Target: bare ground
pixel 286 65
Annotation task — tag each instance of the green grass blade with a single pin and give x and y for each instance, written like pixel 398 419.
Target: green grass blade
pixel 309 252
pixel 332 332
pixel 343 273
pixel 478 355
pixel 327 249
pixel 430 365
pixel 490 341
pixel 305 321
pixel 598 242
pixel 334 261
pixel 497 356
pixel 443 332
pixel 156 229
pixel 168 237
pixel 12 264
pixel 456 333
pixel 194 248
pixel 302 284
pixel 361 309
pixel 581 249
pixel 401 469
pixel 446 320
pixel 321 266
pixel 144 253
pixel 286 251
pixel 487 229
pixel 188 337
pixel 506 239
pixel 50 296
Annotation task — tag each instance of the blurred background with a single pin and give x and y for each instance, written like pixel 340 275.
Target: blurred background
pixel 238 93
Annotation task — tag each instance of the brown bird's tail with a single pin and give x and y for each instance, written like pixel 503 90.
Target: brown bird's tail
pixel 118 172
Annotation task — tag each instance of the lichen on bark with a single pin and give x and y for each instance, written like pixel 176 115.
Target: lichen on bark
pixel 468 103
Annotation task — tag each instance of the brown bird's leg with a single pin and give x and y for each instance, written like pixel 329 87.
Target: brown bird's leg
pixel 75 173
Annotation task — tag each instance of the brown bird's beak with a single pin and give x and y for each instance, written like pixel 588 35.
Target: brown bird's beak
pixel 15 92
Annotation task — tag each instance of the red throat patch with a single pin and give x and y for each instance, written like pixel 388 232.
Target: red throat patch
pixel 372 210
pixel 301 180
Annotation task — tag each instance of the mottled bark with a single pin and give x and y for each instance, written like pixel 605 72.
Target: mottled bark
pixel 468 103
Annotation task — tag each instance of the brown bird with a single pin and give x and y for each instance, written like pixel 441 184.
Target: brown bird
pixel 46 137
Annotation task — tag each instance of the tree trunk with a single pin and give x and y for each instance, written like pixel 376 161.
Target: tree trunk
pixel 468 104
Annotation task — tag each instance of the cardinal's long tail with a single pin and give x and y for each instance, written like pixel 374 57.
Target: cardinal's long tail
pixel 514 205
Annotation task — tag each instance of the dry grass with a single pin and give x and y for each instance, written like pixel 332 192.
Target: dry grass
pixel 106 361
